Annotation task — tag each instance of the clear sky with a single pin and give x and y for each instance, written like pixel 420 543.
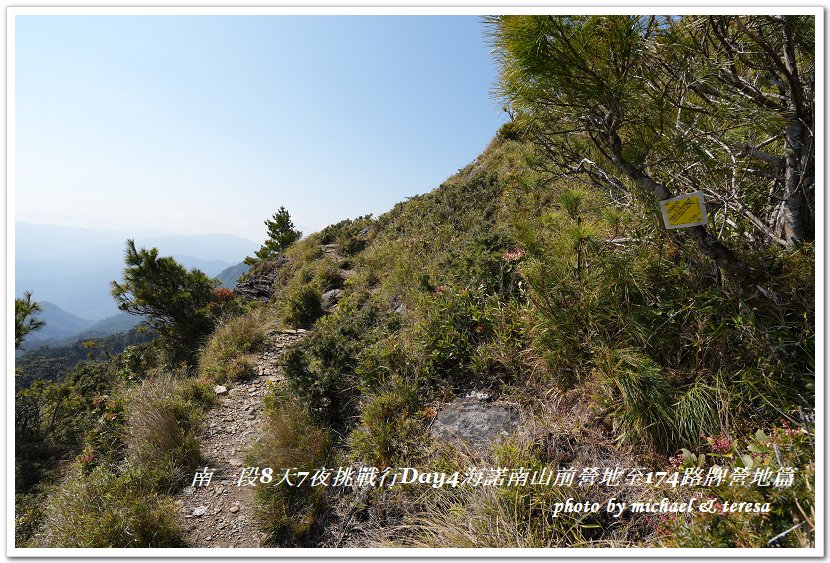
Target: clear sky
pixel 199 124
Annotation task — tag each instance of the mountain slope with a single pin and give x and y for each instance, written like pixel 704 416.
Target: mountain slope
pixel 568 310
pixel 231 275
pixel 59 324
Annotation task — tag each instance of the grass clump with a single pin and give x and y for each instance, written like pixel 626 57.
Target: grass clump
pixel 162 431
pixel 391 427
pixel 636 397
pixel 105 509
pixel 308 275
pixel 509 516
pixel 230 353
pixel 144 448
pixel 289 439
pixel 301 305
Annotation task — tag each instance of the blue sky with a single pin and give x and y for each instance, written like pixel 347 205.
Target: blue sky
pixel 198 124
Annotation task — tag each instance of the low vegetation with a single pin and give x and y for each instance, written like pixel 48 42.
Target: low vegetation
pixel 290 439
pixel 230 353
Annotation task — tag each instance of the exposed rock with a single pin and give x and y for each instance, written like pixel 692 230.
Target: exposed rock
pixel 398 306
pixel 220 390
pixel 200 511
pixel 363 233
pixel 475 422
pixel 478 395
pixel 259 281
pixel 330 298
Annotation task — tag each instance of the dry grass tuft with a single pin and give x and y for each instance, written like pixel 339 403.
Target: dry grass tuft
pixel 231 352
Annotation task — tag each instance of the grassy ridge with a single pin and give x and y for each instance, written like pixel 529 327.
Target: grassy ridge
pixel 506 280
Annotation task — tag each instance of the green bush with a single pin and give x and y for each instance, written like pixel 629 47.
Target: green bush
pixel 326 275
pixel 467 338
pixel 301 305
pixel 791 508
pixel 320 370
pixel 345 233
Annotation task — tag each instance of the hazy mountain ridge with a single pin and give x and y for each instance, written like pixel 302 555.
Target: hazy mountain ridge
pixel 72 267
pixel 56 333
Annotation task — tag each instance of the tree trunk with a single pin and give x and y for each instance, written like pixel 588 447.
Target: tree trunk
pixel 798 162
pixel 707 242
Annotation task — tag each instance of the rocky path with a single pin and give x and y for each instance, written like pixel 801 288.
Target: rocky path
pixel 215 511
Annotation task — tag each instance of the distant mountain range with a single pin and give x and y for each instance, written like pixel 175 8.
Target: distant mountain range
pixel 71 267
pixel 64 329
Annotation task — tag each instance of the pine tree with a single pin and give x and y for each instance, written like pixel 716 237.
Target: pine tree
pixel 281 233
pixel 175 301
pixel 670 105
pixel 25 318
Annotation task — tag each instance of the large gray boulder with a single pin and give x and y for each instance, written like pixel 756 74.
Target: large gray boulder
pixel 330 298
pixel 475 423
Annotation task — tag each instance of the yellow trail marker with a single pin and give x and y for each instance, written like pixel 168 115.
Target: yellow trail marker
pixel 687 210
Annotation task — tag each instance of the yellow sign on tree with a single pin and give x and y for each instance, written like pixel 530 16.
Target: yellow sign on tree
pixel 687 210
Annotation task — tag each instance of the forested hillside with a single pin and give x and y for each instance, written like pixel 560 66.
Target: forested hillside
pixel 530 316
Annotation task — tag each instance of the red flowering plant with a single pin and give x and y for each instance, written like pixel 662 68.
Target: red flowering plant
pixel 513 255
pixel 224 302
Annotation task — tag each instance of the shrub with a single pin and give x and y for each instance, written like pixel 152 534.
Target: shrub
pixel 326 275
pixel 289 440
pixel 320 370
pixel 226 304
pixel 791 518
pixel 345 233
pixel 466 338
pixel 301 305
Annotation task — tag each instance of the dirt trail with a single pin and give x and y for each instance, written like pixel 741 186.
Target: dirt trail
pixel 219 513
